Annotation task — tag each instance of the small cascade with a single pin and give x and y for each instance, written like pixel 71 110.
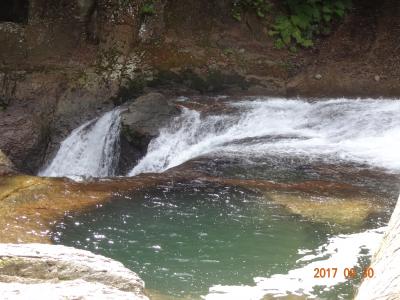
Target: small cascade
pixel 91 150
pixel 362 131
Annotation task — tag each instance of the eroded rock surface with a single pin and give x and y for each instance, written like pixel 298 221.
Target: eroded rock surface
pixel 39 271
pixel 385 285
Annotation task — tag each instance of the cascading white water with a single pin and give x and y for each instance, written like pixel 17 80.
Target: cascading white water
pixel 363 131
pixel 91 150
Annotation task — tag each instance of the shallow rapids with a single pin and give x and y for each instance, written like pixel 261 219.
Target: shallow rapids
pixel 362 131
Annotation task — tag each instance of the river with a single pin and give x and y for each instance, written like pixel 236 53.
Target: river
pixel 281 187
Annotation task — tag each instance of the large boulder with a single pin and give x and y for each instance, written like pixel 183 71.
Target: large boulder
pixel 141 121
pixel 40 271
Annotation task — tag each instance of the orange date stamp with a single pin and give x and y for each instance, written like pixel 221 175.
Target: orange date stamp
pixel 348 273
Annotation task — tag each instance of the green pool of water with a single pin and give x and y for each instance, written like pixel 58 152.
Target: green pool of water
pixel 183 239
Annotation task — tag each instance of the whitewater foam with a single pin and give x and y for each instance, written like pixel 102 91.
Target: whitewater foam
pixel 91 150
pixel 342 251
pixel 362 131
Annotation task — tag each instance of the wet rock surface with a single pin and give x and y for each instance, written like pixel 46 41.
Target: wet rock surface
pixel 141 121
pixel 146 115
pixel 30 206
pixel 42 109
pixel 59 272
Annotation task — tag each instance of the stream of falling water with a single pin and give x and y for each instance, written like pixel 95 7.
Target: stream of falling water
pixel 91 150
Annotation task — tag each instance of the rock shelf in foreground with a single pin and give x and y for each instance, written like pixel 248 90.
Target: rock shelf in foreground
pixel 41 271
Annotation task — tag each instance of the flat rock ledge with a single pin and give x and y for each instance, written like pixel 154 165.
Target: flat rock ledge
pixel 41 271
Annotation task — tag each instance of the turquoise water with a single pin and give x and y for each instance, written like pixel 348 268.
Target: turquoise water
pixel 183 239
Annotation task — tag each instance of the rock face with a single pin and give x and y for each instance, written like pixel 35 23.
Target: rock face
pixel 385 285
pixel 39 271
pixel 59 67
pixel 65 62
pixel 4 160
pixel 141 122
pixel 6 166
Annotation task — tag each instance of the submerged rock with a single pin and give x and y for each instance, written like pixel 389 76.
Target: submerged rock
pixel 321 201
pixel 328 209
pixel 141 121
pixel 39 271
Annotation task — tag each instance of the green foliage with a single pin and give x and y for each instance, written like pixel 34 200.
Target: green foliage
pixel 303 19
pixel 148 9
pixel 3 104
pixel 260 7
pixel 298 21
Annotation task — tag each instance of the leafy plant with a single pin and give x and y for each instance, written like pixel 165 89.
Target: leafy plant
pixel 304 19
pixel 3 104
pixel 148 9
pixel 260 7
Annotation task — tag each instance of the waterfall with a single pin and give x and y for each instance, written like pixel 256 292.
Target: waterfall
pixel 91 150
pixel 364 131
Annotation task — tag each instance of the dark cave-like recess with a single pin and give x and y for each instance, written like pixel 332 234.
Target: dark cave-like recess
pixel 14 11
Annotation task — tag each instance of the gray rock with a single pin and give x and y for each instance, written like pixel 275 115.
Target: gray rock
pixel 318 76
pixel 377 78
pixel 41 271
pixel 385 285
pixel 147 114
pixel 141 121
